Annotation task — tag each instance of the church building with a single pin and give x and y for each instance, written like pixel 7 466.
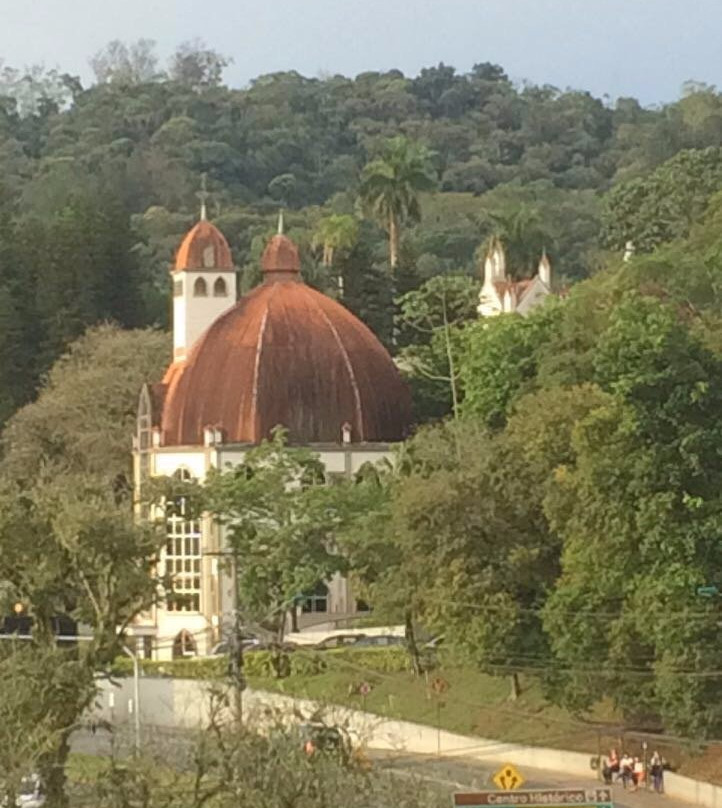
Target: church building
pixel 284 354
pixel 500 294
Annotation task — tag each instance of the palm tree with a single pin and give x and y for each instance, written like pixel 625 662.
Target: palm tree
pixel 335 232
pixel 390 187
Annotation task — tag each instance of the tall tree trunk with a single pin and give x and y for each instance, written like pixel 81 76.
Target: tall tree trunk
pixel 294 619
pixel 393 242
pixel 450 360
pixel 328 250
pixel 53 774
pixel 411 645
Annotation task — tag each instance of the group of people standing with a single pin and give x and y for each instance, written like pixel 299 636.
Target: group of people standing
pixel 633 771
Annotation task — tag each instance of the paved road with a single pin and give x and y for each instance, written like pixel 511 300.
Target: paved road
pixel 458 774
pixel 450 773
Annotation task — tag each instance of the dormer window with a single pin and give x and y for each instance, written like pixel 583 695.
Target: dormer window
pixel 209 257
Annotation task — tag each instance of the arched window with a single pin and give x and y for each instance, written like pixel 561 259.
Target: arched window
pixel 200 288
pixel 184 645
pixel 219 288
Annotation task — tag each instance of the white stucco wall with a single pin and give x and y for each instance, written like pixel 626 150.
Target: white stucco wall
pixel 167 461
pixel 192 315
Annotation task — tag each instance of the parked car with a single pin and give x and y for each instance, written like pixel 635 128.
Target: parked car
pixel 271 645
pixel 381 640
pixel 339 641
pixel 30 794
pixel 224 647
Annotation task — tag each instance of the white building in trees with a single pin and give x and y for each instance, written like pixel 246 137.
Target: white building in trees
pixel 500 294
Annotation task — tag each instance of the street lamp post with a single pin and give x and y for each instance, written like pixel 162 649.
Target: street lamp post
pixel 136 695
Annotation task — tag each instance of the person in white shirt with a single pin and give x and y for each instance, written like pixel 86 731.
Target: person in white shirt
pixel 626 765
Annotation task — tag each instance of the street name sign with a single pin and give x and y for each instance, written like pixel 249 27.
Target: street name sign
pixel 538 798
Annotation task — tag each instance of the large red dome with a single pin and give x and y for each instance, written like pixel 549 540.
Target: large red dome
pixel 286 355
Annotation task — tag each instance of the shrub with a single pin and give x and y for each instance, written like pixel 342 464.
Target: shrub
pixel 260 664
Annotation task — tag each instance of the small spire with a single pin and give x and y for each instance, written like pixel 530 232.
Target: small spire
pixel 544 270
pixel 203 196
pixel 280 222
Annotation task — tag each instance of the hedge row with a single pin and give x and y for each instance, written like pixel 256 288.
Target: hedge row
pixel 266 665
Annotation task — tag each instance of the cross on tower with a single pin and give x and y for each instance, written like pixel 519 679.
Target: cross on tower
pixel 203 196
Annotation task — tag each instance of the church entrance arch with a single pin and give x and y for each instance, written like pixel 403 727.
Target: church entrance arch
pixel 184 645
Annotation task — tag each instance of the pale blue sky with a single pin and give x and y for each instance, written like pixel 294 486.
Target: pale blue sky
pixel 645 48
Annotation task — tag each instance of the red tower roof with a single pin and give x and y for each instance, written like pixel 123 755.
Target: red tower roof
pixel 280 255
pixel 286 355
pixel 204 248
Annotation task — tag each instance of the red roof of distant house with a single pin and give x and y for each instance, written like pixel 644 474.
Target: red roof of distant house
pixel 517 288
pixel 193 251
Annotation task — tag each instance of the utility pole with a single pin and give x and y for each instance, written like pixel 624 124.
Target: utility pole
pixel 236 649
pixel 235 640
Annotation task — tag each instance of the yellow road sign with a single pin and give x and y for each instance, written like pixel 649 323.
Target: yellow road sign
pixel 508 778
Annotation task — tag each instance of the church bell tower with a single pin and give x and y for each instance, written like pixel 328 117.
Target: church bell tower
pixel 204 282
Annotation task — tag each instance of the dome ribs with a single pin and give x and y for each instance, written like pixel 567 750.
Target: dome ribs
pixel 255 420
pixel 287 355
pixel 351 374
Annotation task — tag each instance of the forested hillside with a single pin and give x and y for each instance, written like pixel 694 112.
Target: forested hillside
pixel 98 183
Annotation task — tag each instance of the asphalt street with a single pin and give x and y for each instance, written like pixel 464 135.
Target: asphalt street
pixel 449 773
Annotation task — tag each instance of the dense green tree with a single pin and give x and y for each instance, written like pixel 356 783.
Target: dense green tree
pixel 70 544
pixel 664 205
pixel 639 514
pixel 500 359
pixel 86 411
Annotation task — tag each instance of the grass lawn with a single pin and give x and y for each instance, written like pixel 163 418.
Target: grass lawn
pixel 473 704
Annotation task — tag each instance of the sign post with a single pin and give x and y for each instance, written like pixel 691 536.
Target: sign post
pixel 364 690
pixel 439 686
pixel 537 798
